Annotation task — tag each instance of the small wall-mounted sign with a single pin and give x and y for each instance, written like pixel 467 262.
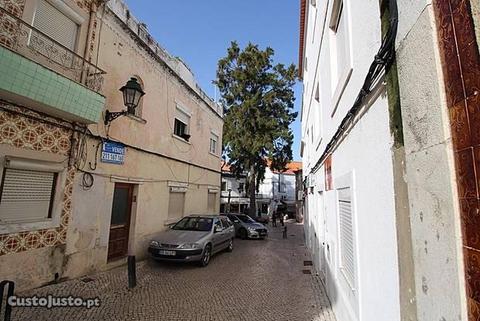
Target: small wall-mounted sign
pixel 177 189
pixel 113 152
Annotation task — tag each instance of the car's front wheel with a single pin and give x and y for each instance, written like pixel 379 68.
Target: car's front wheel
pixel 207 254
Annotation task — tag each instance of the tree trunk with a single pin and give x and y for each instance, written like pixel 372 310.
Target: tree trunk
pixel 252 191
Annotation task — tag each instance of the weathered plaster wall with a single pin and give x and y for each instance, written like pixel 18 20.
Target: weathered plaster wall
pixel 154 158
pixel 88 235
pixel 434 216
pixel 123 57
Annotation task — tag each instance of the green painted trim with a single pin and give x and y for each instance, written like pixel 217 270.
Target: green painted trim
pixel 47 90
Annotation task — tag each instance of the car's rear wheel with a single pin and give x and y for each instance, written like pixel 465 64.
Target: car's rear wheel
pixel 207 254
pixel 230 246
pixel 243 234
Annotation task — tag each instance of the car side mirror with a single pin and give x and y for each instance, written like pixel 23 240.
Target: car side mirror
pixel 217 229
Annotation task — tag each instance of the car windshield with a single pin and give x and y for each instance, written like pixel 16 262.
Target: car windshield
pixel 245 219
pixel 203 224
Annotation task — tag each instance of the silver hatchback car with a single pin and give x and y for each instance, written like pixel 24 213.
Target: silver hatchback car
pixel 194 238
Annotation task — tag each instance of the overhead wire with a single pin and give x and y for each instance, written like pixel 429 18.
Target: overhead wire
pixel 381 62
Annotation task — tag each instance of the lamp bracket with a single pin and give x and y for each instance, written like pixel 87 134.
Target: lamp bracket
pixel 111 116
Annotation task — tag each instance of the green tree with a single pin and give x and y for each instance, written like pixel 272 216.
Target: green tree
pixel 257 97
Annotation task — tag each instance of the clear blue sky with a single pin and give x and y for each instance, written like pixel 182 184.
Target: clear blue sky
pixel 200 32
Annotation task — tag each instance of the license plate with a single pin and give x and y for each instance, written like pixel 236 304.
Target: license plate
pixel 163 252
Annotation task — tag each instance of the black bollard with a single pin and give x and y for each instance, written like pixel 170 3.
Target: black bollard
pixel 8 308
pixel 132 275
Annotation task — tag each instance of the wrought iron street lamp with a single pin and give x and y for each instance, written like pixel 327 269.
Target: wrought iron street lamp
pixel 132 93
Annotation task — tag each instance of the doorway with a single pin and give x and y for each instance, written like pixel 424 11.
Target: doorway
pixel 120 221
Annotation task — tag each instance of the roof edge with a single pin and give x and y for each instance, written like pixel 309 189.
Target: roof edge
pixel 301 50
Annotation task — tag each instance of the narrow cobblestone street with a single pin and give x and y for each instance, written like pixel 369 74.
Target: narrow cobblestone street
pixel 259 280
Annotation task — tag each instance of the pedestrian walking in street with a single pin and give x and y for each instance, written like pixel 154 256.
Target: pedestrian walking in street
pixel 282 218
pixel 274 219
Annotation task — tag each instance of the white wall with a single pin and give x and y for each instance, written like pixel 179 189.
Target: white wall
pixel 267 190
pixel 362 160
pixel 233 183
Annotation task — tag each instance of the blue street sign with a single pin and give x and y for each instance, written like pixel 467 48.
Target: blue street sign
pixel 113 152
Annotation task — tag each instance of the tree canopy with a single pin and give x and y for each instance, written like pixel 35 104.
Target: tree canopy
pixel 257 96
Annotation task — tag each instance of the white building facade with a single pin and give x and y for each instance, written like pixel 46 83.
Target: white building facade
pixel 276 187
pixel 349 218
pixel 390 166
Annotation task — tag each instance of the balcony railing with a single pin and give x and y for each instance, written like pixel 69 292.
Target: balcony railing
pixel 19 36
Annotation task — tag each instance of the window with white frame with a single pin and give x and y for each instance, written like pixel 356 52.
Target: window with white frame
pixel 213 143
pixel 182 124
pixel 347 243
pixel 58 22
pixel 341 60
pixel 27 190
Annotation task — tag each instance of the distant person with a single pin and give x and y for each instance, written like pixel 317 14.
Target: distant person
pixel 274 219
pixel 281 213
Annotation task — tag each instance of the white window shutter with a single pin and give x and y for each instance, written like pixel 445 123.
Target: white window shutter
pixel 26 195
pixel 55 24
pixel 176 205
pixel 346 234
pixel 182 116
pixel 212 197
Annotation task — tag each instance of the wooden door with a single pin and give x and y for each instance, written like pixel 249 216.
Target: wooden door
pixel 120 221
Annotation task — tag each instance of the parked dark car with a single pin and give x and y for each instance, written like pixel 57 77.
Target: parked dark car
pixel 246 227
pixel 194 238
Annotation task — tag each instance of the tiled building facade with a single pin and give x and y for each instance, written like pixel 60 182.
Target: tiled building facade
pixel 59 195
pixel 48 95
pixel 29 133
pixel 461 67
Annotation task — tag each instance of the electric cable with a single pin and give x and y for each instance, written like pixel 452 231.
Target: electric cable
pixel 381 62
pixel 88 133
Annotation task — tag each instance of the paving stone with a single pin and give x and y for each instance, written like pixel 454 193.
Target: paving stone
pixel 259 280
